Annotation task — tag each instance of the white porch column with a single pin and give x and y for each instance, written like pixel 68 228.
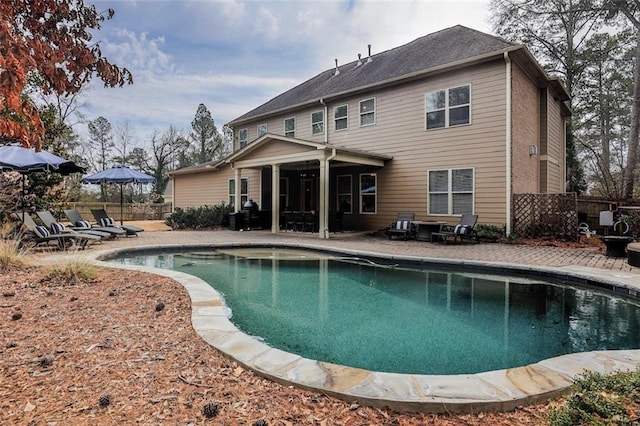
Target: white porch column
pixel 275 198
pixel 237 177
pixel 323 219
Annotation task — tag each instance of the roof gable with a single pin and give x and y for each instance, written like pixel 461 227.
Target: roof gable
pixel 434 50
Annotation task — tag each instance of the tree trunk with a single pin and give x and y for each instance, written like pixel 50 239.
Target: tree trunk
pixel 632 149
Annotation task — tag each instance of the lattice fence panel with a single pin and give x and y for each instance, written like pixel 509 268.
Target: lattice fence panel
pixel 545 215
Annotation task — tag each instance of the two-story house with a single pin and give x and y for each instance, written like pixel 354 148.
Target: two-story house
pixel 454 122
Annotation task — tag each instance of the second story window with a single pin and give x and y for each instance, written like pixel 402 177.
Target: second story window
pixel 317 123
pixel 262 129
pixel 448 107
pixel 290 127
pixel 340 117
pixel 242 137
pixel 368 112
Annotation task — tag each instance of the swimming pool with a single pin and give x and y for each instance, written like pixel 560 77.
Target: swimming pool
pixel 357 312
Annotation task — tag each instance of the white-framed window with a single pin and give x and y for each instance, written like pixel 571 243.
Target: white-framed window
pixel 448 107
pixel 317 123
pixel 340 117
pixel 368 112
pixel 290 127
pixel 244 191
pixel 242 137
pixel 368 193
pixel 262 129
pixel 451 191
pixel 344 199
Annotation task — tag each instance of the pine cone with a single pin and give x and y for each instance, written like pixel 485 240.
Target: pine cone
pixel 210 410
pixel 105 401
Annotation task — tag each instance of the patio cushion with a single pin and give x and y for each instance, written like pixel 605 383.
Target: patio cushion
pixel 402 224
pixel 41 231
pixel 57 228
pixel 84 224
pixel 107 221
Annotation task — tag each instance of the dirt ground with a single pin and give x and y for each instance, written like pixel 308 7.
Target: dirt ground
pixel 121 350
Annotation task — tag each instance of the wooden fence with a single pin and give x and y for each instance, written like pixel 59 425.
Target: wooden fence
pixel 545 215
pixel 130 211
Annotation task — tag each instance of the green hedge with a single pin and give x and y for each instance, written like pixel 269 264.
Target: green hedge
pixel 205 217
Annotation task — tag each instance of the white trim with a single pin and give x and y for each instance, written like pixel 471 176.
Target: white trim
pixel 258 130
pixel 323 122
pixel 450 192
pixel 284 124
pixel 374 112
pixel 345 118
pixel 447 108
pixel 360 193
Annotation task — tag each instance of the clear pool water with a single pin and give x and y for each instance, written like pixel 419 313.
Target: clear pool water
pixel 392 319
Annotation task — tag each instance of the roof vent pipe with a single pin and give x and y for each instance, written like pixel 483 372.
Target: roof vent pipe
pixel 359 61
pixel 337 71
pixel 369 58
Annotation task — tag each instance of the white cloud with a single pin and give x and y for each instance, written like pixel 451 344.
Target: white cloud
pixel 233 55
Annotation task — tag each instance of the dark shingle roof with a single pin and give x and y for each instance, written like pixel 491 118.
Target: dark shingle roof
pixel 447 46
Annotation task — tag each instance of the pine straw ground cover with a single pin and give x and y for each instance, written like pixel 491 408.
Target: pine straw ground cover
pixel 119 349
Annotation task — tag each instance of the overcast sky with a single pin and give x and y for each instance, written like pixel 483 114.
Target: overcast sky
pixel 233 55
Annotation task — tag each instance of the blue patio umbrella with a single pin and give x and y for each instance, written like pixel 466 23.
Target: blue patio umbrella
pixel 15 158
pixel 120 175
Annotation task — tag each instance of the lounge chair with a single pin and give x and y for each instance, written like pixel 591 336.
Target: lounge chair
pixel 56 227
pixel 79 224
pixel 40 235
pixel 403 226
pixel 103 219
pixel 462 231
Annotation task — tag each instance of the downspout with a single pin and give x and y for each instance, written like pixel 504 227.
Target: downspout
pixel 508 142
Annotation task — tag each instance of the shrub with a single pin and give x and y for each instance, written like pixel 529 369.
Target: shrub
pixel 205 217
pixel 489 232
pixel 601 399
pixel 73 271
pixel 12 248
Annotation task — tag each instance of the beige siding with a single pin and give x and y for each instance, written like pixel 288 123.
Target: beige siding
pixel 211 188
pixel 555 145
pixel 400 132
pixel 525 133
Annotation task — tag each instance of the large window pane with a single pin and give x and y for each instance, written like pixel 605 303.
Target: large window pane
pixel 435 120
pixel 459 116
pixel 367 112
pixel 439 204
pixel 458 96
pixel 439 181
pixel 462 203
pixel 436 100
pixel 462 180
pixel 317 122
pixel 368 193
pixel 451 191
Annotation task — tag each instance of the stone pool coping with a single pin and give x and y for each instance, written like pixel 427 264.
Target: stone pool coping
pixel 499 390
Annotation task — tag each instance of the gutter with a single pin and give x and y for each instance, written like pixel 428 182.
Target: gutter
pixel 381 84
pixel 508 194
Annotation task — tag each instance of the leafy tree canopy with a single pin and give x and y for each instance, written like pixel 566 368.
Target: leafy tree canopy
pixel 51 39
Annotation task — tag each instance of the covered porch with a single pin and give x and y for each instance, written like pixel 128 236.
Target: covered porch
pixel 321 181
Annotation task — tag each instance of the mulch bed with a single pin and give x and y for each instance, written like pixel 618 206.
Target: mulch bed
pixel 121 350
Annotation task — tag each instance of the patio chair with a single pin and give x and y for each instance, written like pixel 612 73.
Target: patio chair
pixel 40 235
pixel 462 231
pixel 56 227
pixel 79 224
pixel 103 219
pixel 403 226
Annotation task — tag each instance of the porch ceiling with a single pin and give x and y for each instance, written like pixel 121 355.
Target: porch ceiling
pixel 252 156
